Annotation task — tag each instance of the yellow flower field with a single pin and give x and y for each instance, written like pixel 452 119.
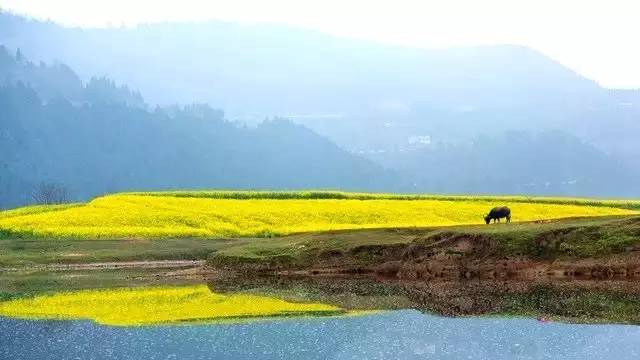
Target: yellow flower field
pixel 158 216
pixel 157 305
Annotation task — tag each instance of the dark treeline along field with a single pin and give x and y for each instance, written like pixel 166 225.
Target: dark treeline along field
pixel 360 116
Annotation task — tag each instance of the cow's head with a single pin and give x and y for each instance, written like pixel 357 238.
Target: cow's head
pixel 487 219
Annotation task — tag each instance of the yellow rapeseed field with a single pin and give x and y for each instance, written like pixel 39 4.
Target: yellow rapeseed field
pixel 144 216
pixel 157 305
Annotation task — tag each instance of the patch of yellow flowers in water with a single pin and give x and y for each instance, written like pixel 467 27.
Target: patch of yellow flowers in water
pixel 158 305
pixel 141 216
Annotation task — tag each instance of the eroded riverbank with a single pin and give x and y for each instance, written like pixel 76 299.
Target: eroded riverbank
pixel 586 249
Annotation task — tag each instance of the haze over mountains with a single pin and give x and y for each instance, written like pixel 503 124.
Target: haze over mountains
pixel 98 137
pixel 498 119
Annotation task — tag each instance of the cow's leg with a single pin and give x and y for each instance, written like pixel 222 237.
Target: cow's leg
pixel 508 219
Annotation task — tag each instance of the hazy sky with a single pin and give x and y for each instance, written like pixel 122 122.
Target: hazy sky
pixel 598 38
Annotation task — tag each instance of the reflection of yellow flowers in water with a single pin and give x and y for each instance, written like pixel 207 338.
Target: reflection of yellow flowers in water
pixel 125 216
pixel 146 306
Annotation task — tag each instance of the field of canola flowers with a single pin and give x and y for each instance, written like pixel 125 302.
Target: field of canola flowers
pixel 237 214
pixel 158 305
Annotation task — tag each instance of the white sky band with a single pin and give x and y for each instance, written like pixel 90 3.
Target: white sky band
pixel 595 38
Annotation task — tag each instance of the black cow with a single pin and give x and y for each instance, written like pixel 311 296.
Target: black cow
pixel 497 213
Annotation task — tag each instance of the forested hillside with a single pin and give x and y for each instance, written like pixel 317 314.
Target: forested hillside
pixel 89 142
pixel 58 81
pixel 367 97
pixel 524 162
pixel 96 137
pixel 346 114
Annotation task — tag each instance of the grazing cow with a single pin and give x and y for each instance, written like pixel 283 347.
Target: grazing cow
pixel 497 213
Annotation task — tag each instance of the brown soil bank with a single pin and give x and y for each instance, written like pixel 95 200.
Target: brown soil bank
pixel 585 248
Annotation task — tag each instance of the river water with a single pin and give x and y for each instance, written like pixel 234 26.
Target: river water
pixel 401 334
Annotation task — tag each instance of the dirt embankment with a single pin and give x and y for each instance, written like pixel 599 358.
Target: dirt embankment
pixel 465 256
pixel 550 253
pixel 457 257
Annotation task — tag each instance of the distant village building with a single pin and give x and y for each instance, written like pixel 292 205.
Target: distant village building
pixel 420 140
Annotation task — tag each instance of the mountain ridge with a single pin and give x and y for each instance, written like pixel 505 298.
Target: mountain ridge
pixel 107 145
pixel 348 90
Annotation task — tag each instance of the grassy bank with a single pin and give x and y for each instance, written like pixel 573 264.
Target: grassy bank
pixel 564 238
pixel 30 283
pixel 254 214
pixel 18 252
pixel 557 239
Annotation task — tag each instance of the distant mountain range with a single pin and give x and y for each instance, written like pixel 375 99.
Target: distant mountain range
pixel 363 95
pixel 484 119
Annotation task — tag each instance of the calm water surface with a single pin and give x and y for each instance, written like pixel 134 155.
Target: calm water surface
pixel 406 334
